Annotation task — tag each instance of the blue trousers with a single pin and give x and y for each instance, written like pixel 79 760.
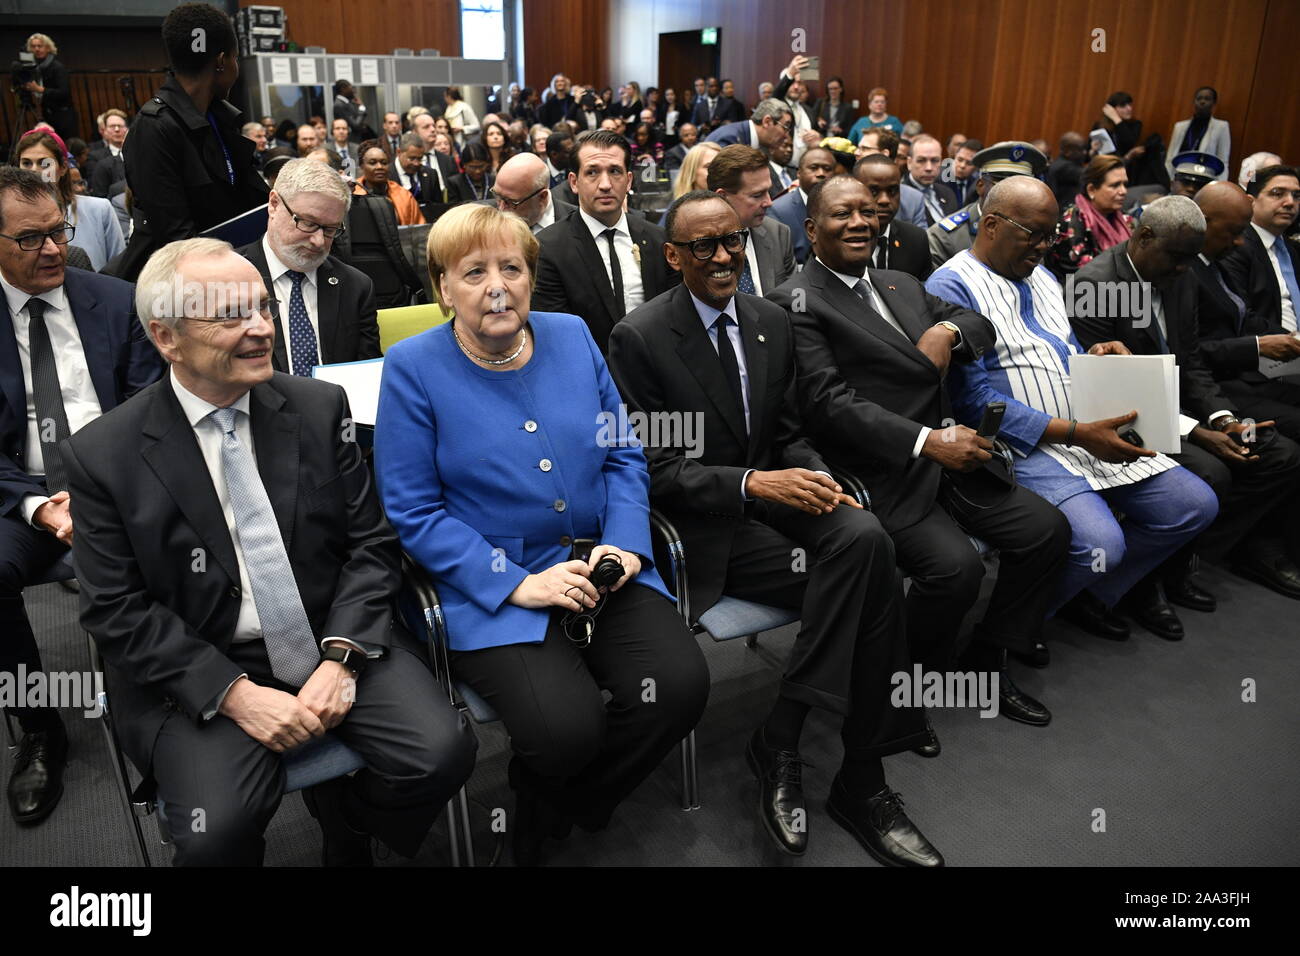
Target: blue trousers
pixel 1161 514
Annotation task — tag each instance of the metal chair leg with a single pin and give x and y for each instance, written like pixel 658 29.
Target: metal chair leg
pixel 453 833
pixel 466 832
pixel 9 730
pixel 751 641
pixel 690 773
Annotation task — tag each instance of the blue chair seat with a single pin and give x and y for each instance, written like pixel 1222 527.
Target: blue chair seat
pixel 317 761
pixel 479 709
pixel 732 617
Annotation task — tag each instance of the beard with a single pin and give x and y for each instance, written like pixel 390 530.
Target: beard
pixel 301 260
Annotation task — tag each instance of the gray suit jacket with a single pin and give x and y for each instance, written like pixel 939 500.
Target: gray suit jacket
pixel 774 250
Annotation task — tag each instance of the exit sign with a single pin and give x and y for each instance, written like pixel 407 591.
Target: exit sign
pixel 709 36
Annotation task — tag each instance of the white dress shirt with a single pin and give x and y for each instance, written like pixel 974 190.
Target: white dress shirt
pixel 751 258
pixel 248 626
pixel 80 403
pixel 709 316
pixel 548 218
pixel 629 257
pixel 282 289
pixel 431 164
pixel 879 305
pixel 1270 246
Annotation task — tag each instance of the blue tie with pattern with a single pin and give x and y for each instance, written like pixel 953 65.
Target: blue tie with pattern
pixel 286 631
pixel 746 281
pixel 1283 257
pixel 302 337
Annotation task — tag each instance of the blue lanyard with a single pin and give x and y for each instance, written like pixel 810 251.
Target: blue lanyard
pixel 230 167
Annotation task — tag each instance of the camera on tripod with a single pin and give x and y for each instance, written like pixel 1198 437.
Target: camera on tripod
pixel 23 71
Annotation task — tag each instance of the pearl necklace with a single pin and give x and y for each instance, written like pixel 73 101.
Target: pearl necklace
pixel 487 361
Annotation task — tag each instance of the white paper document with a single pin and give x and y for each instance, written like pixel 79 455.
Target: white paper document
pixel 343 69
pixel 281 71
pixel 307 72
pixel 369 72
pixel 361 381
pixel 1104 386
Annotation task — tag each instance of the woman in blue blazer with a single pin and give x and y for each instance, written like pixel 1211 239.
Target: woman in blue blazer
pixel 499 443
pixel 94 220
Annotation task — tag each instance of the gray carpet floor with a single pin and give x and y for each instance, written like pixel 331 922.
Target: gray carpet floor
pixel 1152 758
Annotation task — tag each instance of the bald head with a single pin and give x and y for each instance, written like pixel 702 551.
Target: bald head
pixel 521 187
pixel 1017 226
pixel 1019 196
pixel 1227 211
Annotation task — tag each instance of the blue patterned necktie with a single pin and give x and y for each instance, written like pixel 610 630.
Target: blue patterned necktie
pixel 747 281
pixel 302 337
pixel 286 631
pixel 1283 258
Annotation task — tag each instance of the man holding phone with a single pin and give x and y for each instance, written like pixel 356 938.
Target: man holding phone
pixel 1249 465
pixel 873 349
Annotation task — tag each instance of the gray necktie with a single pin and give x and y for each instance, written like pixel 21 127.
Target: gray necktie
pixel 285 629
pixel 47 396
pixel 932 202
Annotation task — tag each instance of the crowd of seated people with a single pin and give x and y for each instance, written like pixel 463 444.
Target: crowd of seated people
pixel 826 295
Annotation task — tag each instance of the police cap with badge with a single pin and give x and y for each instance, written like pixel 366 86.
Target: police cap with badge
pixel 1197 169
pixel 997 162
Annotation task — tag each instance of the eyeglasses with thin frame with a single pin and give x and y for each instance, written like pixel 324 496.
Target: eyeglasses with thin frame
pixel 1035 238
pixel 704 248
pixel 307 226
pixel 30 242
pixel 246 317
pixel 514 203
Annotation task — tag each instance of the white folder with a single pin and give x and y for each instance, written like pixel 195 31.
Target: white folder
pixel 1105 386
pixel 361 381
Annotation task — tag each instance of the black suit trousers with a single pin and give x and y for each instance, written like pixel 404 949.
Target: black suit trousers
pixel 1273 400
pixel 839 569
pixel 1032 538
pixel 25 554
pixel 220 787
pixel 1256 499
pixel 586 755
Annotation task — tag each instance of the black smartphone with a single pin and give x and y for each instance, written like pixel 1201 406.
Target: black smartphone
pixel 991 422
pixel 1131 436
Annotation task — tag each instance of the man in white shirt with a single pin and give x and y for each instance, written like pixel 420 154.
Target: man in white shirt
pixel 69 351
pixel 239 577
pixel 110 168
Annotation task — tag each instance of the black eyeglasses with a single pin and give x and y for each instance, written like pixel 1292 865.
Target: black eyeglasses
pixel 1035 238
pixel 703 249
pixel 241 317
pixel 514 203
pixel 32 241
pixel 306 225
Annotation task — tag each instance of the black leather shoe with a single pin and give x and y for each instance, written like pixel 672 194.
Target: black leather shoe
pixel 1086 612
pixel 36 783
pixel 881 826
pixel 343 844
pixel 1185 591
pixel 1015 704
pixel 1150 609
pixel 931 746
pixel 780 794
pixel 1277 574
pixel 536 817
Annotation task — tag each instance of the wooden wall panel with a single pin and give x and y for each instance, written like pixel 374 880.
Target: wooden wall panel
pixel 373 27
pixel 1001 69
pixel 567 36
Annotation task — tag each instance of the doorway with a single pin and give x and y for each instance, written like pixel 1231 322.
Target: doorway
pixel 682 57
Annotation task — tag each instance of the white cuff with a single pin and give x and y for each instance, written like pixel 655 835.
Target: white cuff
pixel 744 478
pixel 30 505
pixel 920 440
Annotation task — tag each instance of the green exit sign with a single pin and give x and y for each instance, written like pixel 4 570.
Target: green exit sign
pixel 709 36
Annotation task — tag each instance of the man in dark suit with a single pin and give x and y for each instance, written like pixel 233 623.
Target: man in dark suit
pixel 713 110
pixel 687 136
pixel 756 494
pixel 187 172
pixel 1234 337
pixel 873 348
pixel 899 245
pixel 740 175
pixel 107 155
pixel 439 165
pixel 560 146
pixel 768 126
pixel 1265 273
pixel 1157 314
pixel 324 309
pixel 601 263
pixel 923 168
pixel 409 171
pixel 522 187
pixel 392 134
pixel 69 350
pixel 239 576
pixel 791 209
pixel 344 150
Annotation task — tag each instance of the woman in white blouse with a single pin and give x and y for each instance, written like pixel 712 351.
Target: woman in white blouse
pixel 460 117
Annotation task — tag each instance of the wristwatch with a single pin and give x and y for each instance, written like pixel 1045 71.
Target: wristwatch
pixel 953 328
pixel 1221 422
pixel 352 659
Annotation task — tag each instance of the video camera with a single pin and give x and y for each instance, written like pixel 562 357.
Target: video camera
pixel 23 71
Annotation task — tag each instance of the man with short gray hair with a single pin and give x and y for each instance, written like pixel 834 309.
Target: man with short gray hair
pixel 523 187
pixel 769 126
pixel 239 577
pixel 324 309
pixel 1150 271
